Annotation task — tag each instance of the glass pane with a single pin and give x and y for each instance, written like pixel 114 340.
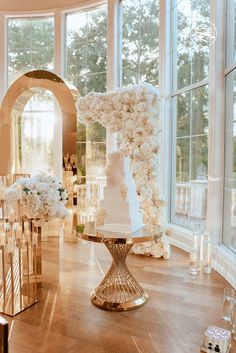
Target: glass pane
pixel 81 133
pixel 231 33
pixel 86 44
pixel 199 160
pixel 96 133
pixel 229 225
pixel 199 99
pixel 192 34
pixel 96 83
pixel 35 142
pixel 30 45
pixel 140 40
pixel 97 25
pixel 182 159
pixel 96 159
pixel 183 66
pixel 183 114
pixel 86 67
pixel 130 74
pixel 96 57
pixel 76 27
pixel 81 157
pixel 190 164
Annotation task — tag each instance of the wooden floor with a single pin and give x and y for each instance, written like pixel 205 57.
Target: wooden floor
pixel 64 320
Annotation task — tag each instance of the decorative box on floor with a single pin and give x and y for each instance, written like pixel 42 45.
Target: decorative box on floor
pixel 216 339
pixel 20 275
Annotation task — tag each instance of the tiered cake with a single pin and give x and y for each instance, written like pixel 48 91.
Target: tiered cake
pixel 120 204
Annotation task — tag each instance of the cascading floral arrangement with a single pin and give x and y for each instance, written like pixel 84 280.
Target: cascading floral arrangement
pixel 133 112
pixel 42 197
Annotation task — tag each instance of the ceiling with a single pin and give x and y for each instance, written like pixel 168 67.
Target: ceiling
pixel 34 5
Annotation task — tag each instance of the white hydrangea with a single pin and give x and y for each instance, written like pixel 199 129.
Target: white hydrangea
pixel 43 197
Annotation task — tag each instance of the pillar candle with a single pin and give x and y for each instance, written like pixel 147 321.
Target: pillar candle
pixel 12 215
pixel 2 193
pixel 19 192
pixel 2 239
pixel 35 239
pixel 18 230
pixel 7 227
pixel 11 245
pixel 27 235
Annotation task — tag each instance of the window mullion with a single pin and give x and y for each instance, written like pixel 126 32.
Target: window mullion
pixel 216 123
pixel 114 27
pixel 190 87
pixel 59 43
pixel 165 91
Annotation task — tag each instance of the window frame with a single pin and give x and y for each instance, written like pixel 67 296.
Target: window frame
pixel 174 94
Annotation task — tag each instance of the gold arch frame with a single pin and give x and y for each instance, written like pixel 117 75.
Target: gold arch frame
pixel 17 97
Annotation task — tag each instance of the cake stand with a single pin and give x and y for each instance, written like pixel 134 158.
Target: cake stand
pixel 119 290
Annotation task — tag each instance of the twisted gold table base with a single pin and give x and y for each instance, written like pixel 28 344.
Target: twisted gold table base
pixel 119 290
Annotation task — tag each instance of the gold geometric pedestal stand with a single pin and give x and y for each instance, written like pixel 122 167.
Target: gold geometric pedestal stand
pixel 119 290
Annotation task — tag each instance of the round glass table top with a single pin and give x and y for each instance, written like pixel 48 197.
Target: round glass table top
pixel 88 232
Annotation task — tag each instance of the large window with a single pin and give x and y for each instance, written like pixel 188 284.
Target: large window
pixel 229 219
pixel 140 41
pixel 86 68
pixel 36 134
pixel 190 59
pixel 30 45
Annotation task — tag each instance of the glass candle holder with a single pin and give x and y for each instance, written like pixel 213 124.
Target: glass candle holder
pixel 228 303
pixel 206 252
pixel 194 251
pixel 233 321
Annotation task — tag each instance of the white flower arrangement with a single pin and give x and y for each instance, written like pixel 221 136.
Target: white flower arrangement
pixel 42 197
pixel 133 112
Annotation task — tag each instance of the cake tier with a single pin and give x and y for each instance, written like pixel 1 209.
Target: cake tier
pixel 115 206
pixel 122 218
pixel 121 205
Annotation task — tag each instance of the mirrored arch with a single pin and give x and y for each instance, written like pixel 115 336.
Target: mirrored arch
pixel 16 99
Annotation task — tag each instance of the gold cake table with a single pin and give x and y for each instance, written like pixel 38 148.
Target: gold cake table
pixel 119 290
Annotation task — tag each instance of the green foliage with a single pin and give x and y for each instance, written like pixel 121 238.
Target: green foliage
pixel 96 133
pixel 31 45
pixel 87 52
pixel 140 42
pixel 80 228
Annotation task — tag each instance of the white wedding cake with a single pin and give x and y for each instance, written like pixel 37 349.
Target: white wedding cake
pixel 120 206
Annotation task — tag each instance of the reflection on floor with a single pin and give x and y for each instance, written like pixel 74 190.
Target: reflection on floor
pixel 64 321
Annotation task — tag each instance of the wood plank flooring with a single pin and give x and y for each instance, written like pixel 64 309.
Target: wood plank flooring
pixel 65 321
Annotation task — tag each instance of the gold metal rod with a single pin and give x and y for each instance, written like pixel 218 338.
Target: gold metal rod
pixel 35 272
pixel 20 274
pixel 12 285
pixel 2 204
pixel 3 279
pixel 19 209
pixel 28 272
pixel 3 335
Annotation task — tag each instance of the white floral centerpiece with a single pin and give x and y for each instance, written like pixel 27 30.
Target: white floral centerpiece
pixel 42 197
pixel 133 112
